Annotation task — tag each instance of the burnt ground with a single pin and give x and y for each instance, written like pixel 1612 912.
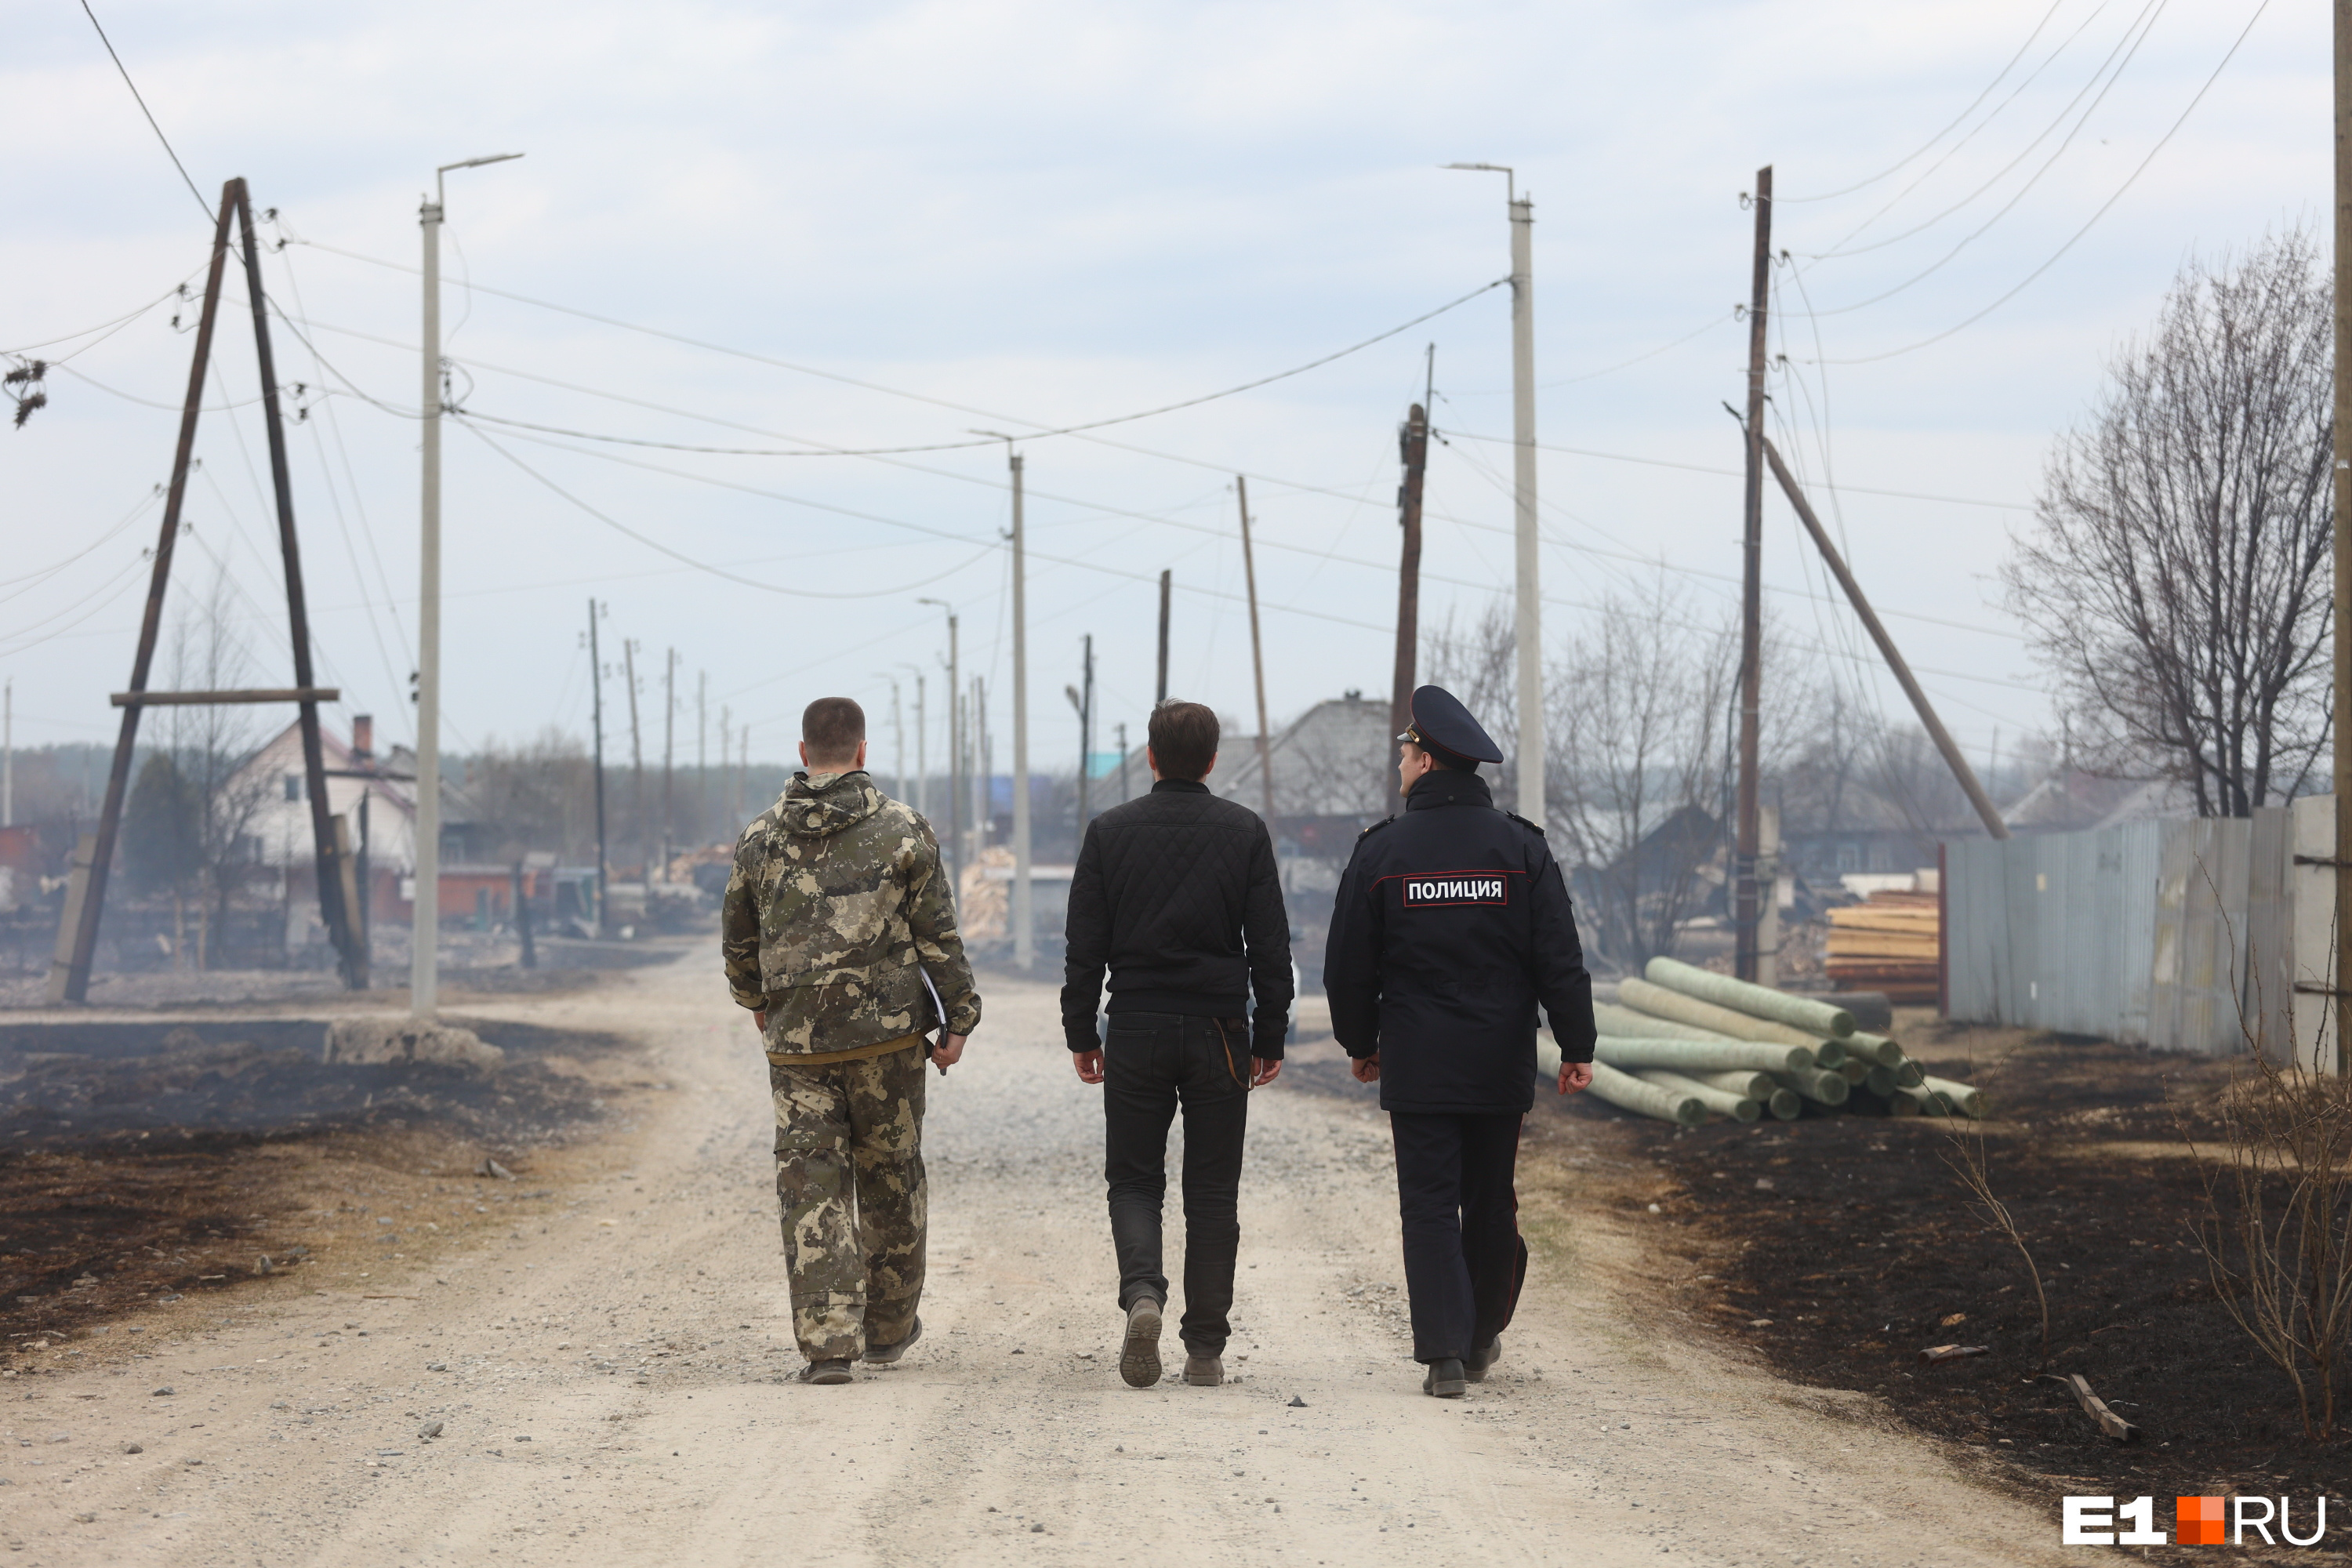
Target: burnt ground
pixel 144 1162
pixel 1836 1249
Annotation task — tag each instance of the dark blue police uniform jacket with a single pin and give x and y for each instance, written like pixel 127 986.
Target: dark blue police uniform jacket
pixel 1451 924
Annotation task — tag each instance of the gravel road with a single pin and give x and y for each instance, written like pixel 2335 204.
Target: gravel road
pixel 609 1379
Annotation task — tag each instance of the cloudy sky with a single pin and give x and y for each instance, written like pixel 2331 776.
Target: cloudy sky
pixel 892 225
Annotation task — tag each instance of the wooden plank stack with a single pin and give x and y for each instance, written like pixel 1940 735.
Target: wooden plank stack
pixel 1887 944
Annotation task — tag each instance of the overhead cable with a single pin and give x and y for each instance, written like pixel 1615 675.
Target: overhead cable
pixel 205 206
pixel 1037 431
pixel 2157 7
pixel 1914 155
pixel 2088 224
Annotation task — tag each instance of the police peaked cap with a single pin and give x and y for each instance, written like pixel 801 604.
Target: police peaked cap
pixel 1444 728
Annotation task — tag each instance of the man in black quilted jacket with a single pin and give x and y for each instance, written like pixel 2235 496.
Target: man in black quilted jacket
pixel 1176 895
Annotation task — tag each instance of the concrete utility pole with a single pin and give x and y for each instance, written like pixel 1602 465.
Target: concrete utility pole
pixel 898 738
pixel 2341 980
pixel 596 717
pixel 1529 608
pixel 977 768
pixel 1123 794
pixel 424 931
pixel 1747 845
pixel 1159 690
pixel 8 754
pixel 922 801
pixel 1025 952
pixel 702 754
pixel 1257 658
pixel 726 762
pixel 955 743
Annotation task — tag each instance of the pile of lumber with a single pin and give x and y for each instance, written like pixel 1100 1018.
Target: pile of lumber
pixel 1684 1044
pixel 1886 944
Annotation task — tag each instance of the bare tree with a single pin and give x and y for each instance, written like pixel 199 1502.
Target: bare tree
pixel 2178 585
pixel 1478 664
pixel 536 794
pixel 1639 709
pixel 209 747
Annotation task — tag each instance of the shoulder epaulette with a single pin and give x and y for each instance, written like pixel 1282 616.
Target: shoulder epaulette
pixel 1523 822
pixel 1376 826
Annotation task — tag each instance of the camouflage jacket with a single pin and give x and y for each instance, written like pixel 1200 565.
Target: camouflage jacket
pixel 838 894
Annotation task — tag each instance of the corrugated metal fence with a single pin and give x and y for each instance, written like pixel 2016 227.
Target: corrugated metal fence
pixel 2177 934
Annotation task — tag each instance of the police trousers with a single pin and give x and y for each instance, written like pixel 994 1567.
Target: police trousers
pixel 1154 1063
pixel 1464 1259
pixel 849 1179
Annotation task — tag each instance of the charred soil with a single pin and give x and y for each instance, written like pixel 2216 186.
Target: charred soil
pixel 146 1164
pixel 1839 1247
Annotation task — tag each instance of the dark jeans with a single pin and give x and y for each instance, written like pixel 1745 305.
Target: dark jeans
pixel 1153 1063
pixel 1464 1261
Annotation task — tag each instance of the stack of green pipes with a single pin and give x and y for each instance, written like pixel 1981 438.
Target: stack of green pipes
pixel 1684 1044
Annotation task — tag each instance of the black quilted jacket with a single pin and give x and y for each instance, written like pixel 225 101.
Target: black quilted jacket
pixel 1176 894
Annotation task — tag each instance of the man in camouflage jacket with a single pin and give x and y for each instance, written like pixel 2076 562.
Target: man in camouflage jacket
pixel 836 915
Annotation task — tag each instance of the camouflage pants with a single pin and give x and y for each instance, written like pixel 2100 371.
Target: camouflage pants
pixel 850 1176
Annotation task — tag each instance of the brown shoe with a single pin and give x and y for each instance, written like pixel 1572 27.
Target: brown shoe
pixel 1139 1357
pixel 827 1371
pixel 1205 1371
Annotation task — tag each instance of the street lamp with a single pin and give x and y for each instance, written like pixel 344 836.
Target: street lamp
pixel 1523 453
pixel 424 930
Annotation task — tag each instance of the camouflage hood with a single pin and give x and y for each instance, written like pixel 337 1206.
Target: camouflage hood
pixel 818 805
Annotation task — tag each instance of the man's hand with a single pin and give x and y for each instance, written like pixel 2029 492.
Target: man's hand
pixel 1366 1068
pixel 1263 1070
pixel 760 1021
pixel 1575 1076
pixel 1089 1066
pixel 949 1051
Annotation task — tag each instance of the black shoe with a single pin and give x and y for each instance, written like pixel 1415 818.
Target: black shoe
pixel 1476 1365
pixel 884 1355
pixel 1445 1379
pixel 1138 1358
pixel 827 1371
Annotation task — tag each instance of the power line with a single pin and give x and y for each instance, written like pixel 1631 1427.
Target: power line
pixel 1037 431
pixel 1910 157
pixel 2015 94
pixel 1734 473
pixel 895 591
pixel 203 206
pixel 2088 224
pixel 2154 13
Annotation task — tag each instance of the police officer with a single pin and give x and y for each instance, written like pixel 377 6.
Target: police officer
pixel 1450 924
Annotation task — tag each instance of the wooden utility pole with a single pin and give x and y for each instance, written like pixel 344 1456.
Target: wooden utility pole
pixel 1413 441
pixel 1160 692
pixel 636 751
pixel 1082 699
pixel 86 894
pixel 1747 904
pixel 596 718
pixel 669 740
pixel 1257 658
pixel 1953 756
pixel 2341 979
